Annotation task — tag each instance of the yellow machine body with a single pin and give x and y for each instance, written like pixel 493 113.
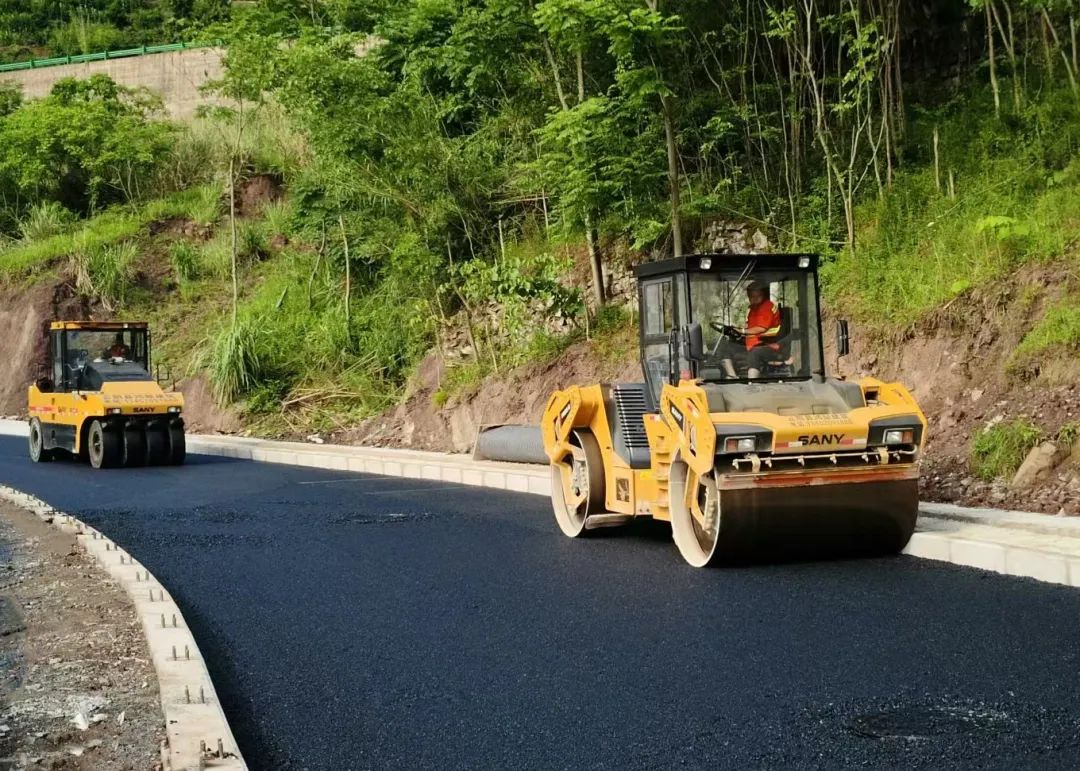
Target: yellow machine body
pixel 814 474
pixel 140 422
pixel 795 440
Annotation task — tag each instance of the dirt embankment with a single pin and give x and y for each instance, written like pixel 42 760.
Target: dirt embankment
pixel 518 396
pixel 25 314
pixel 956 365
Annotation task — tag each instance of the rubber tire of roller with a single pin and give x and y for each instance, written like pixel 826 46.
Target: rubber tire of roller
pixel 134 446
pixel 111 444
pixel 36 439
pixel 177 446
pixel 158 446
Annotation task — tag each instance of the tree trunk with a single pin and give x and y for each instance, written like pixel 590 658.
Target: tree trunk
pixel 993 57
pixel 233 244
pixel 348 276
pixel 937 161
pixel 596 263
pixel 673 177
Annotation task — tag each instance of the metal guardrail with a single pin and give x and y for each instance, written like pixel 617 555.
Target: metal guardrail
pixel 56 61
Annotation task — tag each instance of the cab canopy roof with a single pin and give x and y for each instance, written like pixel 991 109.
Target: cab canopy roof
pixel 98 326
pixel 726 263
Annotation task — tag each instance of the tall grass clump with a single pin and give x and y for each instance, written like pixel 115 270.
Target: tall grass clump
pixel 203 204
pixel 233 360
pixel 998 451
pixel 44 220
pixel 105 271
pixel 215 256
pixel 184 257
pixel 251 241
pixel 279 218
pixel 269 144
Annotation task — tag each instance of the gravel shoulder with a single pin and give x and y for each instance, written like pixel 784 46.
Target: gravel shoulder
pixel 79 691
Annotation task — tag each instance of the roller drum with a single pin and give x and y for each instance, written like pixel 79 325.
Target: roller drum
pixel 725 519
pixel 853 519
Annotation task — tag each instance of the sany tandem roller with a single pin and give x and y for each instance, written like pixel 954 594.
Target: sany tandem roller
pixel 737 436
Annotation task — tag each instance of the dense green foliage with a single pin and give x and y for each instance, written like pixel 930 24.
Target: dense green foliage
pixel 87 144
pixel 43 28
pixel 444 161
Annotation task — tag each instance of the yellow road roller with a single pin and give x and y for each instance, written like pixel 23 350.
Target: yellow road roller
pixel 737 436
pixel 98 400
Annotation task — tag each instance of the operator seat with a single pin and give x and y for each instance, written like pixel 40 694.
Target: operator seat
pixel 781 365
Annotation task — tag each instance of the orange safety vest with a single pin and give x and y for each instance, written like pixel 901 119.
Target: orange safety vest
pixel 764 314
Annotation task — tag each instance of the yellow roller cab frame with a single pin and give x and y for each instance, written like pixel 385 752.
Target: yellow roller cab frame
pixel 99 402
pixel 736 435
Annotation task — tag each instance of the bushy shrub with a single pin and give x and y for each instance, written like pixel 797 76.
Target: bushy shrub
pixel 89 143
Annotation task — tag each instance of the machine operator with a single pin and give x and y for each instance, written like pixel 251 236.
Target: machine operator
pixel 762 321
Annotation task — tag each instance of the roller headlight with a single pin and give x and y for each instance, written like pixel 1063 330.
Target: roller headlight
pixel 113 411
pixel 740 444
pixel 900 436
pixel 174 410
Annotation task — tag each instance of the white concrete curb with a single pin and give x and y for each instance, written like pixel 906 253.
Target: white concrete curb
pixel 1015 543
pixel 198 736
pixel 412 464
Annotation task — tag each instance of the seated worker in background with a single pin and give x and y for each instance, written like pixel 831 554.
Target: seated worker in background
pixel 119 349
pixel 763 318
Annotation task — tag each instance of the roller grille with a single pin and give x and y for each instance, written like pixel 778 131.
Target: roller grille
pixel 631 408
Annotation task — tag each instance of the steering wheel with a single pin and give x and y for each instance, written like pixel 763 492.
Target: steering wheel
pixel 728 331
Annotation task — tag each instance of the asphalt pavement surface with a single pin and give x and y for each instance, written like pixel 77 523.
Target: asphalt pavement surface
pixel 363 622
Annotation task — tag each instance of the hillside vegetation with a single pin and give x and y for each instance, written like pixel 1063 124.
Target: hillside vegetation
pixel 45 28
pixel 390 176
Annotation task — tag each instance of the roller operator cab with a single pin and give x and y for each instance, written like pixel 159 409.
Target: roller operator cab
pixel 98 400
pixel 736 435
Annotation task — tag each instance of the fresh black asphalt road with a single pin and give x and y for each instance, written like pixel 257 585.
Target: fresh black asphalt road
pixel 355 622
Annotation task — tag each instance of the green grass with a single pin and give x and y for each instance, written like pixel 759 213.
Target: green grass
pixel 1067 435
pixel 998 451
pixel 105 271
pixel 233 360
pixel 108 228
pixel 1017 200
pixel 184 257
pixel 111 226
pixel 278 218
pixel 1056 334
pixel 45 220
